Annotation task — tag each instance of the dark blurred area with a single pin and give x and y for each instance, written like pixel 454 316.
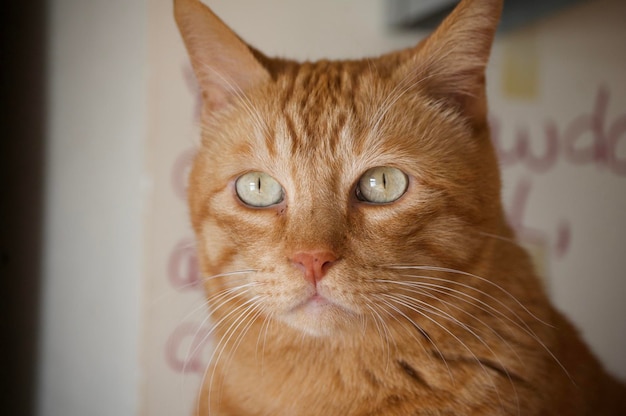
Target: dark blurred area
pixel 426 15
pixel 22 126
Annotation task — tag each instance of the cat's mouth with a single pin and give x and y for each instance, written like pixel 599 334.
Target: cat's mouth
pixel 315 301
pixel 318 315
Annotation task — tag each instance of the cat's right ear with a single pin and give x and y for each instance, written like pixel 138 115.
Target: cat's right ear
pixel 450 63
pixel 224 65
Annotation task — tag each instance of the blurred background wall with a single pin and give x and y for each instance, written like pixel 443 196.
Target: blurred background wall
pixel 93 225
pixel 121 315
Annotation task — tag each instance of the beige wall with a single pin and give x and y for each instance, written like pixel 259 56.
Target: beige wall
pixel 92 267
pixel 576 197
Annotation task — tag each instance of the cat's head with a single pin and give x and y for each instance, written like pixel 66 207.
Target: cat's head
pixel 317 182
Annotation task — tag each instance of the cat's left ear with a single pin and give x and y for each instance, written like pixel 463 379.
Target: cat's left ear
pixel 451 62
pixel 224 65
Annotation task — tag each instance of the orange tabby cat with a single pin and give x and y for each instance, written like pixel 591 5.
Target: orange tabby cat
pixel 356 254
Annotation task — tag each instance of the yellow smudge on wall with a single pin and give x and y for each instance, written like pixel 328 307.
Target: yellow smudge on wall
pixel 520 69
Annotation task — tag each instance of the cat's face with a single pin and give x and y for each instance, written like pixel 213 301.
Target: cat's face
pixel 316 184
pixel 341 162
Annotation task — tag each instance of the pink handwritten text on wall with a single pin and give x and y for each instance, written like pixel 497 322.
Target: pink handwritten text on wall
pixel 588 139
pixel 182 267
pixel 188 347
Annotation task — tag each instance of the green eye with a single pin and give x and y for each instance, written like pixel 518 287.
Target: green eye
pixel 381 185
pixel 259 189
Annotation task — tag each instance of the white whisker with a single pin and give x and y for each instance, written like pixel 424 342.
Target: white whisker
pixel 215 326
pixel 412 322
pixel 423 312
pixel 382 330
pixel 526 328
pixel 482 279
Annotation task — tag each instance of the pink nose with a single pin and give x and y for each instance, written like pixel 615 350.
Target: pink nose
pixel 314 264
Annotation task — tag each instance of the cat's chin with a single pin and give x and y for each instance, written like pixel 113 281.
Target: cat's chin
pixel 319 317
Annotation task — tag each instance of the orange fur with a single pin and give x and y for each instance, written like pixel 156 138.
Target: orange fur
pixel 430 305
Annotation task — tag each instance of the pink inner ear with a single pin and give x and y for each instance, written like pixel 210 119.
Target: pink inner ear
pixel 224 65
